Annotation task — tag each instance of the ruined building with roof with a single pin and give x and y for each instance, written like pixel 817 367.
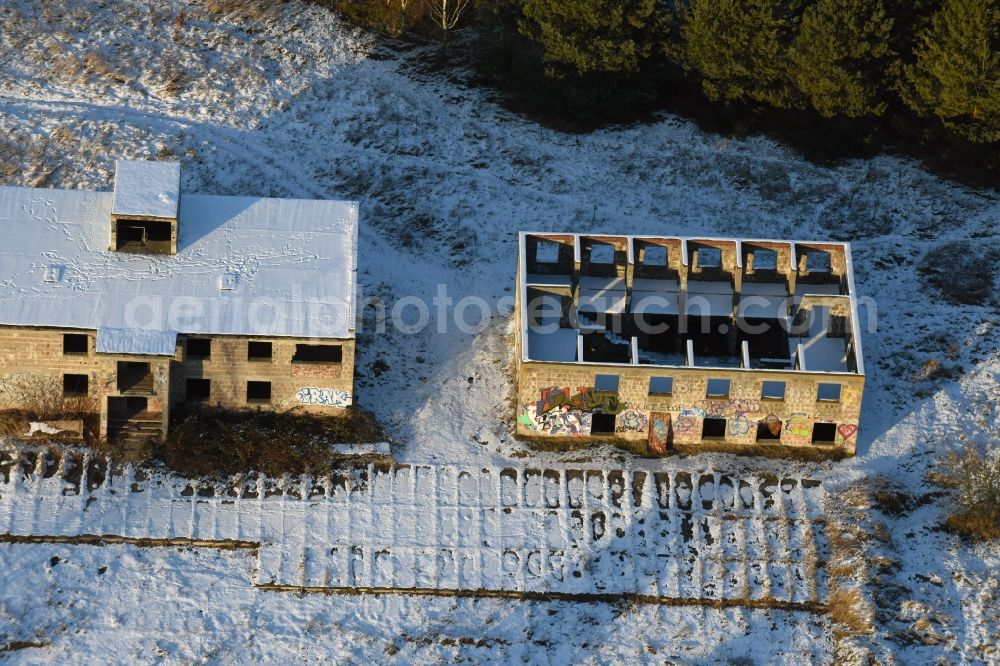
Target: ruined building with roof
pixel 142 298
pixel 669 343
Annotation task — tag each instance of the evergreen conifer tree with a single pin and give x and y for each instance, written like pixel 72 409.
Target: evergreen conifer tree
pixel 841 59
pixel 956 72
pixel 593 52
pixel 584 36
pixel 740 49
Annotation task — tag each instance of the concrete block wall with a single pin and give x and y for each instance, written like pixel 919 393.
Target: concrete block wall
pixel 689 403
pixel 312 387
pixel 30 353
pixel 27 354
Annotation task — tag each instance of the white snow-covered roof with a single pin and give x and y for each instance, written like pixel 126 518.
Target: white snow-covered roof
pixel 136 341
pixel 244 266
pixel 146 189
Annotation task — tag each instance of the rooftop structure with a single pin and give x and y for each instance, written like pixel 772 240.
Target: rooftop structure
pixel 662 318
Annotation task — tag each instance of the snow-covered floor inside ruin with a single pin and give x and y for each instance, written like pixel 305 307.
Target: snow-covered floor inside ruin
pixel 445 177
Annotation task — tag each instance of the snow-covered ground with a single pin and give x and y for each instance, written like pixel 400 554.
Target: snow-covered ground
pixel 680 535
pixel 303 106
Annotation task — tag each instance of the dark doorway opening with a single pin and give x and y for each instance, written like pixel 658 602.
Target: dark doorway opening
pixel 602 424
pixel 144 236
pixel 198 389
pixel 713 429
pixel 124 408
pixel 824 433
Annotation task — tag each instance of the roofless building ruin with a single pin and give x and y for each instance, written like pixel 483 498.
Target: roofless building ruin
pixel 669 343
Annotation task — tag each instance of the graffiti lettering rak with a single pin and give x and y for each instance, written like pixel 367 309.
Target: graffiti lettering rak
pixel 326 397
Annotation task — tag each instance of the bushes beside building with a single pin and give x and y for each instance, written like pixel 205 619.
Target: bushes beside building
pixel 218 442
pixel 42 398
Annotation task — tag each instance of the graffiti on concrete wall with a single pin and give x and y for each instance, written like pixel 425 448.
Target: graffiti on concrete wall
pixel 687 420
pixel 798 425
pixel 560 420
pixel 585 399
pixel 632 420
pixel 721 409
pixel 847 431
pixel 563 411
pixel 739 425
pixel 326 397
pixel 564 421
pixel 659 433
pixel 560 411
pixel 773 424
pixel 739 413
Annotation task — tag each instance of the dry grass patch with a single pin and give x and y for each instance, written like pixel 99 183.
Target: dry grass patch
pixel 73 67
pixel 846 607
pixel 963 272
pixel 251 10
pixel 976 525
pixel 63 136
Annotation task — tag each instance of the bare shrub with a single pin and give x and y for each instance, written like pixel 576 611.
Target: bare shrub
pixel 446 15
pixel 35 397
pixel 974 474
pixel 389 17
pixel 41 398
pixel 386 16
